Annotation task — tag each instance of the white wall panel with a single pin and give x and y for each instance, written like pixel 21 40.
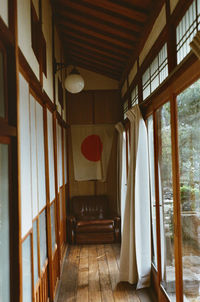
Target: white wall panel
pixel 59 156
pixel 40 156
pixel 132 73
pixel 4 11
pixel 65 154
pixel 25 158
pixel 24 33
pixel 51 156
pixel 34 187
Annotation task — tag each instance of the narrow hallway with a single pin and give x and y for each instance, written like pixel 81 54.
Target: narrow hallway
pixel 91 273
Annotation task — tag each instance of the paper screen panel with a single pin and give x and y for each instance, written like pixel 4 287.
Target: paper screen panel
pixel 59 156
pixel 40 156
pixel 26 270
pixel 35 252
pixel 65 154
pixel 25 158
pixel 51 156
pixel 34 189
pixel 43 238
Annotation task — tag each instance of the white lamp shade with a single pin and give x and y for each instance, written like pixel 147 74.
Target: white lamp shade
pixel 74 83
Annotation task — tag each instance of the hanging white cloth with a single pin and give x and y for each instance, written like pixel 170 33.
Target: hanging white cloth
pixel 121 170
pixel 135 258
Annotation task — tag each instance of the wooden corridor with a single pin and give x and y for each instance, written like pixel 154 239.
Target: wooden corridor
pixel 91 274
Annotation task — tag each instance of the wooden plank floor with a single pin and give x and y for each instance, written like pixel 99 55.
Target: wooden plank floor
pixel 91 274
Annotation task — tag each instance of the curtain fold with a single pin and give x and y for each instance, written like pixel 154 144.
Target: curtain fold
pixel 121 171
pixel 135 258
pixel 120 128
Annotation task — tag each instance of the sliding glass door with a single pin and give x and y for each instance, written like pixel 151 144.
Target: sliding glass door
pixel 188 104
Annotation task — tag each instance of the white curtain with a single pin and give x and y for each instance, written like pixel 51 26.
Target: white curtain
pixel 135 258
pixel 121 164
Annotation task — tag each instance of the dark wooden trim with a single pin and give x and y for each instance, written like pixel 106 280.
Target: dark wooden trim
pixel 5 33
pixel 6 129
pixel 156 155
pixel 176 199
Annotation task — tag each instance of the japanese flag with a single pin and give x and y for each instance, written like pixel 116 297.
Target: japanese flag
pixel 91 148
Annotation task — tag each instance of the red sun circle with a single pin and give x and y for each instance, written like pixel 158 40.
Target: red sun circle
pixel 92 147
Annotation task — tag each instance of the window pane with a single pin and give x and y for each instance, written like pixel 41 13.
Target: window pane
pixel 185 31
pixel 43 240
pixel 35 252
pixel 2 96
pixel 26 270
pixel 53 234
pixel 4 226
pixel 189 162
pixel 152 186
pixel 166 200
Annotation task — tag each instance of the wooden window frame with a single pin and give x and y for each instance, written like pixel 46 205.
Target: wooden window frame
pixel 5 76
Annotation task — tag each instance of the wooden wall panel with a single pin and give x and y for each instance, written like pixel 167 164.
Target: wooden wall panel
pixel 107 107
pixel 80 108
pixel 95 107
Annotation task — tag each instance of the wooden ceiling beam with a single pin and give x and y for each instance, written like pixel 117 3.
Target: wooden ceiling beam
pixel 95 60
pixel 117 25
pixel 65 33
pixel 133 13
pixel 101 28
pixel 88 53
pixel 94 34
pixel 61 7
pixel 95 63
pixel 95 68
pixel 70 43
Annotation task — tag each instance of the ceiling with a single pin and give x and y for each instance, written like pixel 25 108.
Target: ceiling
pixel 102 35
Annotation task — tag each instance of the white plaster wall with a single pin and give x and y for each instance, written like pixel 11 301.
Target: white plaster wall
pixel 4 11
pixel 96 81
pixel 47 30
pixel 51 156
pixel 24 34
pixel 25 157
pixel 40 157
pixel 132 73
pixel 158 26
pixel 34 187
pixel 173 4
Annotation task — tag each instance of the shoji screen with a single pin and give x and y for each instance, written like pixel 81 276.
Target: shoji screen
pixel 59 156
pixel 51 155
pixel 34 182
pixel 65 154
pixel 25 157
pixel 40 157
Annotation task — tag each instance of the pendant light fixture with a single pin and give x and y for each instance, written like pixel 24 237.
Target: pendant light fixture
pixel 74 82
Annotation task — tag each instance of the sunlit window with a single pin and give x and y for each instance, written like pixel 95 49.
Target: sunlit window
pixel 187 29
pixel 156 73
pixel 125 108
